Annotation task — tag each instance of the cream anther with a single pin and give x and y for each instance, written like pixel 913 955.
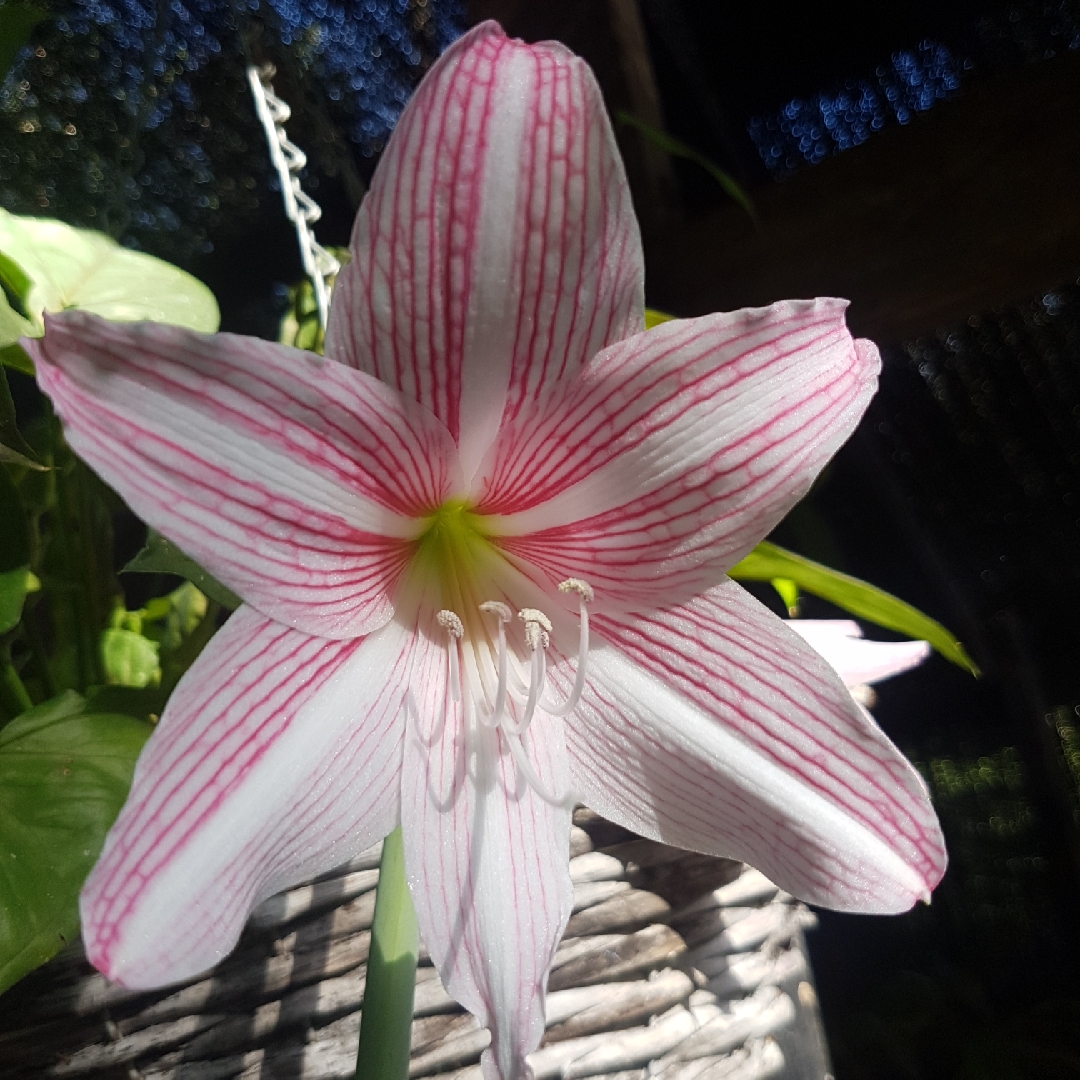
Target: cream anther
pixel 576 585
pixel 455 631
pixel 451 624
pixel 497 607
pixel 537 628
pixel 531 614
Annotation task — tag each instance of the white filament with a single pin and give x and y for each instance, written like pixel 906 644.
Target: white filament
pixel 538 630
pixel 455 632
pixel 585 594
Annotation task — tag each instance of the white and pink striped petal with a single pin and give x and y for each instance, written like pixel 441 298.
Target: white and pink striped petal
pixel 295 480
pixel 487 860
pixel 277 758
pixel 713 727
pixel 854 658
pixel 497 249
pixel 671 454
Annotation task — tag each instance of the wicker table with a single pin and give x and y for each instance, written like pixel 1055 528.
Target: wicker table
pixel 673 965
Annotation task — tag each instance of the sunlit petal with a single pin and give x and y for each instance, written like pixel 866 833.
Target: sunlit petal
pixel 291 478
pixel 711 726
pixel 497 249
pixel 856 660
pixel 278 757
pixel 673 453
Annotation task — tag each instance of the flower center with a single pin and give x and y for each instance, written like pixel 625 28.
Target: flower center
pixel 455 566
pixel 450 551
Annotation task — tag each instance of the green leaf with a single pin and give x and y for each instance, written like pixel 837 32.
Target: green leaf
pixel 655 318
pixel 768 561
pixel 13 448
pixel 789 593
pixel 14 585
pixel 15 577
pixel 16 22
pixel 15 287
pixel 64 774
pixel 129 659
pixel 680 149
pixel 161 556
pixel 79 268
pixel 15 357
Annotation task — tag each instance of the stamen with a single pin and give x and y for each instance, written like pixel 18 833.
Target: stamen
pixel 536 687
pixel 537 627
pixel 585 595
pixel 455 631
pixel 450 623
pixel 496 607
pixel 575 584
pixel 521 759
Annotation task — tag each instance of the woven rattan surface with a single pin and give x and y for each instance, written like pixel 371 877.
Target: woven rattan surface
pixel 673 965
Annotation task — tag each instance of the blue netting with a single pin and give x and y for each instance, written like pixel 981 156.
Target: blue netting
pixel 144 127
pixel 806 131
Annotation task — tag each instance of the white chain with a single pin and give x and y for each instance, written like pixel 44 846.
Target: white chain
pixel 300 207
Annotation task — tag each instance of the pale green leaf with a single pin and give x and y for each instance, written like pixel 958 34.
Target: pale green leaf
pixel 655 318
pixel 768 561
pixel 129 659
pixel 789 593
pixel 161 556
pixel 679 149
pixel 64 775
pixel 79 268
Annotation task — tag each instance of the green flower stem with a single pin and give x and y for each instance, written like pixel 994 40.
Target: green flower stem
pixel 386 1022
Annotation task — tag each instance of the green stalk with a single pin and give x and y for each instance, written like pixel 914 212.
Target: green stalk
pixel 386 1022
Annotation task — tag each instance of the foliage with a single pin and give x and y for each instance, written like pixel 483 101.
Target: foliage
pixel 49 266
pixel 80 674
pixel 784 569
pixel 677 148
pixel 64 774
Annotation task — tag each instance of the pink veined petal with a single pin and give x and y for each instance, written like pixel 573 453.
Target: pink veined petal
pixel 497 249
pixel 713 727
pixel 673 453
pixel 855 659
pixel 486 860
pixel 277 758
pixel 295 480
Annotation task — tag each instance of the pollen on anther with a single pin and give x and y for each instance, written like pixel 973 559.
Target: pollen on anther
pixel 537 627
pixel 497 607
pixel 576 585
pixel 534 615
pixel 450 623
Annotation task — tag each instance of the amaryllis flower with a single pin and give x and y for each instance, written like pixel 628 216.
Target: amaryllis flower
pixel 482 550
pixel 858 661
